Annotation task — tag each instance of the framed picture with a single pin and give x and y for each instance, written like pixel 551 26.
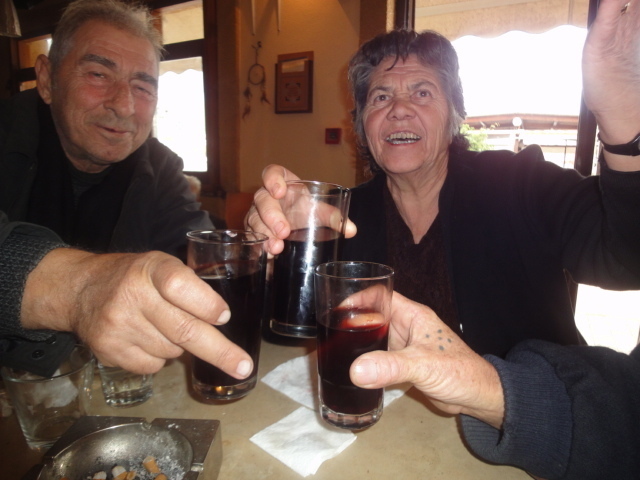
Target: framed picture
pixel 294 83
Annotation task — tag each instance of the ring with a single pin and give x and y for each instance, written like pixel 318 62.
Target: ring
pixel 624 9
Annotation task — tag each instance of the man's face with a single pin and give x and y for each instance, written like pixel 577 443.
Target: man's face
pixel 103 95
pixel 406 117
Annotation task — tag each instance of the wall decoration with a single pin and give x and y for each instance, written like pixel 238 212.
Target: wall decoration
pixel 332 136
pixel 255 76
pixel 294 83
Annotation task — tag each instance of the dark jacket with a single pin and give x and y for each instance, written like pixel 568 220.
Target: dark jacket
pixel 158 207
pixel 512 225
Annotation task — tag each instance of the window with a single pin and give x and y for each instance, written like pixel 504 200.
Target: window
pixel 28 51
pixel 180 121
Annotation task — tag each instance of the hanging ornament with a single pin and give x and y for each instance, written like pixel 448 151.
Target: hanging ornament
pixel 256 76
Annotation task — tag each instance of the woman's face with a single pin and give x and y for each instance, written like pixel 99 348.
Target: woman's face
pixel 406 117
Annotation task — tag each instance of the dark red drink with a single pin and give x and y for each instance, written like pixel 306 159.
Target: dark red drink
pixel 293 295
pixel 244 295
pixel 352 332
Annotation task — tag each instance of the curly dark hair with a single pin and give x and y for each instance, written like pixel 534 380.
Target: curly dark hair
pixel 432 50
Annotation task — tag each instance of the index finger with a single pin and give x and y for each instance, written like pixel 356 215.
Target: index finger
pixel 198 307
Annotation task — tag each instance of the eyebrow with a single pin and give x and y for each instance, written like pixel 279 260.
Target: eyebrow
pixel 111 65
pixel 413 86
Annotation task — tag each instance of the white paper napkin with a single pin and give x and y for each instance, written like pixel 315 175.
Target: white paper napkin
pixel 298 379
pixel 302 441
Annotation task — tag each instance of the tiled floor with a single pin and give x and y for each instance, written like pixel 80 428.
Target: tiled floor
pixel 607 318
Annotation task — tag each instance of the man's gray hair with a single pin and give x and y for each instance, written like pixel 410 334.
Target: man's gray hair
pixel 135 19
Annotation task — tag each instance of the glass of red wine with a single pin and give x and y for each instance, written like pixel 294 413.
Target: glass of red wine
pixel 353 302
pixel 317 214
pixel 233 263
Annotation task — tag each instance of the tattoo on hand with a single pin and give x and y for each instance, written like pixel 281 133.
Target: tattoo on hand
pixel 440 347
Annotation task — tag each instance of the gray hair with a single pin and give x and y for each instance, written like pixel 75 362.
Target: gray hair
pixel 432 50
pixel 132 18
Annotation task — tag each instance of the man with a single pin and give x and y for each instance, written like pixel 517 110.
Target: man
pixel 76 156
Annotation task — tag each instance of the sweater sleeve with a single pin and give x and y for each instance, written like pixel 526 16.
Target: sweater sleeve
pixel 22 246
pixel 536 433
pixel 571 413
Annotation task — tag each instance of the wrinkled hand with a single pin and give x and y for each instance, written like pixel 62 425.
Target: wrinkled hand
pixel 132 310
pixel 266 215
pixel 426 353
pixel 611 70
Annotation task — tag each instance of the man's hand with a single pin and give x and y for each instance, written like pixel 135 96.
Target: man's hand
pixel 266 215
pixel 132 310
pixel 426 353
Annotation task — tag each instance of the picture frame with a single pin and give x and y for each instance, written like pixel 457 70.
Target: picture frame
pixel 294 83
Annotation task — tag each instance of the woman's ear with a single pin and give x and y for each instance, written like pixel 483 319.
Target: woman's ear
pixel 43 78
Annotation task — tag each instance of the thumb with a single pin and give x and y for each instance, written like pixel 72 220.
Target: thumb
pixel 379 369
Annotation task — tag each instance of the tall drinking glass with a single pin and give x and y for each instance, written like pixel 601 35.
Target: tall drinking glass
pixel 233 263
pixel 353 302
pixel 317 214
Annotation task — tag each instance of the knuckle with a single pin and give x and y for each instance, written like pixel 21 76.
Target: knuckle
pixel 187 332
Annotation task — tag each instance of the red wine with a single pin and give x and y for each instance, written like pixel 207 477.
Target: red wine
pixel 293 296
pixel 352 332
pixel 245 295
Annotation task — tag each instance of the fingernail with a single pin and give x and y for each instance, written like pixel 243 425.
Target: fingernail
pixel 224 317
pixel 366 372
pixel 244 368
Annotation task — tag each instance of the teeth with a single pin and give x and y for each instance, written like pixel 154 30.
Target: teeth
pixel 402 137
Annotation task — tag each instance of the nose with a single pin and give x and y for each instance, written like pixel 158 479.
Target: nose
pixel 120 100
pixel 401 108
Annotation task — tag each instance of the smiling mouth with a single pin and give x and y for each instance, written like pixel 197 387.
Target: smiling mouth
pixel 402 138
pixel 114 130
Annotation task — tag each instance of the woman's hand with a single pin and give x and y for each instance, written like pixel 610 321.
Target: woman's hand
pixel 426 353
pixel 266 215
pixel 611 74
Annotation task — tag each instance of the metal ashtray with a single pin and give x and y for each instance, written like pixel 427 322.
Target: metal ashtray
pixel 184 448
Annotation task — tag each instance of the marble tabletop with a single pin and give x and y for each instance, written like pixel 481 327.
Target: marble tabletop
pixel 411 441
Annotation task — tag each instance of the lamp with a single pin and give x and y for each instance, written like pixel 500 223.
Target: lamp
pixel 9 23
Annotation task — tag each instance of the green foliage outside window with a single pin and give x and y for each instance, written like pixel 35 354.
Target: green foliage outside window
pixel 477 138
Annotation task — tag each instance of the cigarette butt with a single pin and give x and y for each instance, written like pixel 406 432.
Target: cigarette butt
pixel 119 473
pixel 131 475
pixel 100 476
pixel 161 476
pixel 151 465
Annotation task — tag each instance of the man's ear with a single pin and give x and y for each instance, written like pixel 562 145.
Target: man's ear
pixel 43 77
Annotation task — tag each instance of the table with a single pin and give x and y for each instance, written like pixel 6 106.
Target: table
pixel 411 441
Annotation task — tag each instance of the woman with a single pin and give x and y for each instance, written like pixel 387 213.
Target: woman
pixel 482 238
pixel 501 228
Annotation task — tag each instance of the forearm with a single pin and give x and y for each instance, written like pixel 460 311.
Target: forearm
pixel 53 289
pixel 536 434
pixel 20 253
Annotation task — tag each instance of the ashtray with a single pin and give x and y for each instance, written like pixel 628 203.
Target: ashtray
pixel 183 448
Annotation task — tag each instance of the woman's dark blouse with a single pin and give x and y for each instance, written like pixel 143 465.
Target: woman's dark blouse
pixel 511 225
